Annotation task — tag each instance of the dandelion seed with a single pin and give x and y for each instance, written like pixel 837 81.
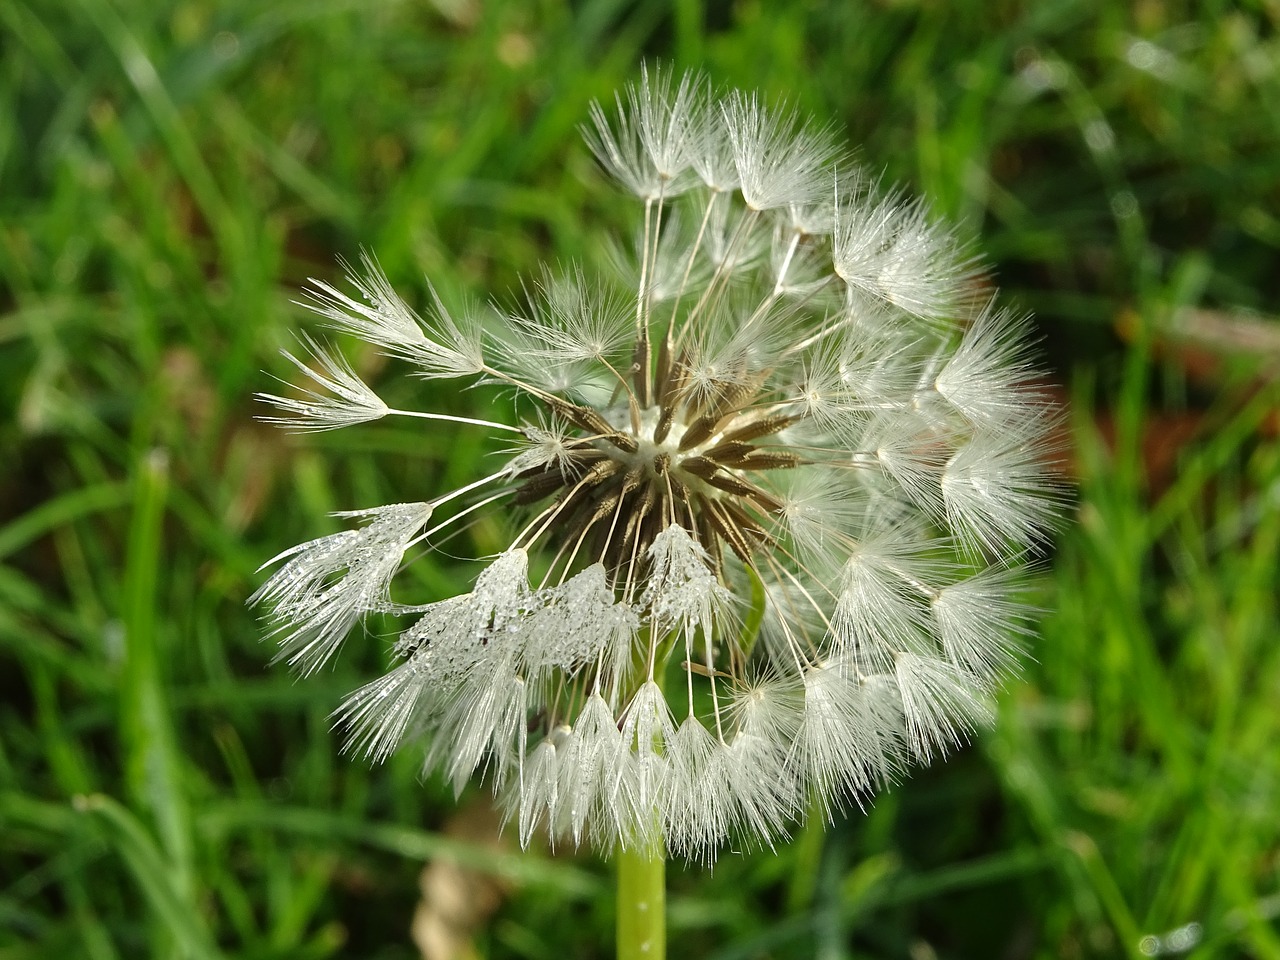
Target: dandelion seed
pixel 328 584
pixel 782 161
pixel 344 400
pixel 769 500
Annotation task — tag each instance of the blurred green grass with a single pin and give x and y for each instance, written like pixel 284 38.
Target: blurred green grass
pixel 170 173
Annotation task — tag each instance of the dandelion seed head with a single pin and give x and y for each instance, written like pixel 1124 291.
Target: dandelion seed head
pixel 770 486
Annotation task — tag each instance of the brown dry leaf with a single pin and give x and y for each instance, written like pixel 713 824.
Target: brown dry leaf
pixel 1200 341
pixel 461 13
pixel 1203 344
pixel 1228 332
pixel 457 901
pixel 188 389
pixel 251 460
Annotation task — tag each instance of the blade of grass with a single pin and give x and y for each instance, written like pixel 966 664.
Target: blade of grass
pixel 60 511
pixel 152 769
pixel 405 841
pixel 154 874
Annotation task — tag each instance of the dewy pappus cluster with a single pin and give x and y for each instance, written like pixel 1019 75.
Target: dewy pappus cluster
pixel 769 499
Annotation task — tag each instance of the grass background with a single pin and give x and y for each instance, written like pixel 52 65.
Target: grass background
pixel 171 172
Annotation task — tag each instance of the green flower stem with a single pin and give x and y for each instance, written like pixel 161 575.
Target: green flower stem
pixel 642 904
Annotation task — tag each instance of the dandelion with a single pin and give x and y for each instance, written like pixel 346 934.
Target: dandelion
pixel 769 497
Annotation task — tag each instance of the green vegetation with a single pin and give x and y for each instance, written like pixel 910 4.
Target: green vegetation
pixel 170 174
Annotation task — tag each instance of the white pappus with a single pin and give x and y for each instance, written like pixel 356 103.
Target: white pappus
pixel 770 499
